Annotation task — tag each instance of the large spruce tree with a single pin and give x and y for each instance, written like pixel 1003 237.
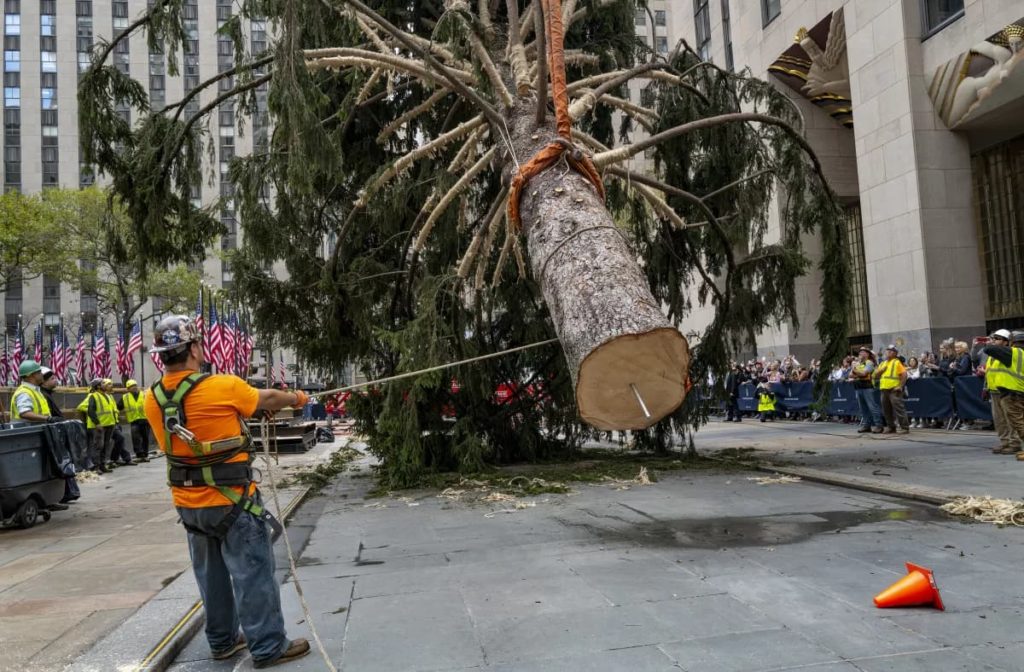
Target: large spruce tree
pixel 397 131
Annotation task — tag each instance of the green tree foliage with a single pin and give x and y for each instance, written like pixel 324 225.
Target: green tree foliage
pixel 31 242
pixel 365 282
pixel 96 233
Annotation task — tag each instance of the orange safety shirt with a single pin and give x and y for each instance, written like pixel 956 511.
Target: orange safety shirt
pixel 212 412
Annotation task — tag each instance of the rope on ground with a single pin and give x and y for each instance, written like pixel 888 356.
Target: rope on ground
pixel 265 432
pixel 988 510
pixel 439 367
pixel 562 146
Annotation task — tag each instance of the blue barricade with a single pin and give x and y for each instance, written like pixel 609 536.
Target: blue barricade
pixel 969 404
pixel 842 400
pixel 929 398
pixel 747 400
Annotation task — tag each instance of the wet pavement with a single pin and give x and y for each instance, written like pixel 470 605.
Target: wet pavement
pixel 704 572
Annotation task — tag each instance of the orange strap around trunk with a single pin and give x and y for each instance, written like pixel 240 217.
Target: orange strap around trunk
pixel 550 154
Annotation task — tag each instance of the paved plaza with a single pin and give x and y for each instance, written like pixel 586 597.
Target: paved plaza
pixel 698 572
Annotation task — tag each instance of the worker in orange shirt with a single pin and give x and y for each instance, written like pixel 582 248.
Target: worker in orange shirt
pixel 198 421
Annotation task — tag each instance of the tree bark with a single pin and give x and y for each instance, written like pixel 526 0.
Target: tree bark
pixel 629 364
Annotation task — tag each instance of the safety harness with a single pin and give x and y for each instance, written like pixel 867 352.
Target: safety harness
pixel 208 466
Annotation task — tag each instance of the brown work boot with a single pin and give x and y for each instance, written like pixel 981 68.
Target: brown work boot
pixel 1004 451
pixel 239 645
pixel 890 430
pixel 297 648
pixel 1020 456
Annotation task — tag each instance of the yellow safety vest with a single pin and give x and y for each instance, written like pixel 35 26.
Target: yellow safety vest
pixel 765 402
pixel 1006 377
pixel 890 374
pixel 39 403
pixel 83 408
pixel 133 406
pixel 107 409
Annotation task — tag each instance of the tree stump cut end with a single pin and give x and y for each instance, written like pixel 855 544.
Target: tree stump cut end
pixel 655 362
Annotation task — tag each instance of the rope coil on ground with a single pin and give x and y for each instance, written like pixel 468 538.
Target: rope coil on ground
pixel 988 510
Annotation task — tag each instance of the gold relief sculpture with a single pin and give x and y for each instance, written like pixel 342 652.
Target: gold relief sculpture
pixel 961 87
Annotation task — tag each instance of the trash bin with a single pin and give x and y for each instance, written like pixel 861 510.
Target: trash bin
pixel 30 479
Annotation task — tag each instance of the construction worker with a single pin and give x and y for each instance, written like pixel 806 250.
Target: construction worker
pixel 892 381
pixel 131 404
pixel 198 421
pixel 28 403
pixel 71 490
pixel 765 402
pixel 1009 442
pixel 92 409
pixel 113 441
pixel 1009 382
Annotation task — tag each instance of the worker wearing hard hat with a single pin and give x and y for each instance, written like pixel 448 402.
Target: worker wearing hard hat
pixel 28 401
pixel 131 402
pixel 197 419
pixel 92 408
pixel 1008 382
pixel 1009 442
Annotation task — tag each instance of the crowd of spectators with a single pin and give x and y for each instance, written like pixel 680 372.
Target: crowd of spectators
pixel 953 358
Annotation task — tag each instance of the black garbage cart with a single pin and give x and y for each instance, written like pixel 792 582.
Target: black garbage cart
pixel 30 478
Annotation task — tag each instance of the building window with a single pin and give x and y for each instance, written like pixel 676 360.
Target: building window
pixel 12 61
pixel 51 299
pixel 12 24
pixel 940 13
pixel 702 22
pixel 998 176
pixel 770 9
pixel 48 61
pixel 860 315
pixel 659 17
pixel 12 96
pixel 48 25
pixel 641 17
pixel 662 43
pixel 49 99
pixel 730 65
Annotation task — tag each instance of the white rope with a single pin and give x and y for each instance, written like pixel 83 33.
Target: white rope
pixel 434 368
pixel 265 430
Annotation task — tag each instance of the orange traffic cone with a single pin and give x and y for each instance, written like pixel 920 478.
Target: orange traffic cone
pixel 917 588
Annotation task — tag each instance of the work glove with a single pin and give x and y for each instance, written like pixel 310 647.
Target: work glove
pixel 301 398
pixel 52 419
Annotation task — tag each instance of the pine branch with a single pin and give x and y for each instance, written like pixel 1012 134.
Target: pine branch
pixel 420 109
pixel 211 81
pixel 499 267
pixel 487 65
pixel 371 59
pixel 494 213
pixel 407 160
pixel 516 53
pixel 467 150
pixel 625 153
pixel 400 35
pixel 542 63
pixel 459 186
pixel 101 57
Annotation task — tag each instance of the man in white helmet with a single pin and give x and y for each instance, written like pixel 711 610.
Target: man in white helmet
pixel 1009 442
pixel 1009 382
pixel 199 422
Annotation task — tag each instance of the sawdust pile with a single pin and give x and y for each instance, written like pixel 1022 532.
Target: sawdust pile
pixel 988 510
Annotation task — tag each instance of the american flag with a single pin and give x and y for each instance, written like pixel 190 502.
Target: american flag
pixel 201 324
pixel 15 361
pixel 38 351
pixel 80 356
pixel 281 370
pixel 248 345
pixel 155 356
pixel 57 354
pixel 65 355
pixel 134 343
pixel 215 354
pixel 100 355
pixel 231 343
pixel 4 371
pixel 119 351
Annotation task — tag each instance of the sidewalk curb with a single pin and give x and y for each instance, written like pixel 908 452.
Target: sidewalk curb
pixel 905 491
pixel 158 656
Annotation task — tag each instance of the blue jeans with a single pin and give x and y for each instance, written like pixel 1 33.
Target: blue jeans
pixel 870 411
pixel 244 559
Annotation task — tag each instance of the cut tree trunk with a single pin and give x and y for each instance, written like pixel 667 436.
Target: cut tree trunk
pixel 629 364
